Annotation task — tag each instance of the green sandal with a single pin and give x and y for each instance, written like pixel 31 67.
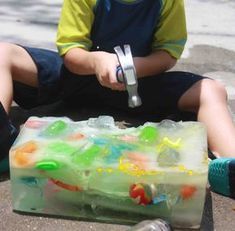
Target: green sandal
pixel 222 176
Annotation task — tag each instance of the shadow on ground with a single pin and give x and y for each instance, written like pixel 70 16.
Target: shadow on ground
pixel 204 59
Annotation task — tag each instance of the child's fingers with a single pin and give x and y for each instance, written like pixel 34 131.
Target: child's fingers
pixel 118 87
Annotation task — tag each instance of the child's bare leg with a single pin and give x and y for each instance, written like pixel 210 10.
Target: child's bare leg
pixel 15 64
pixel 209 99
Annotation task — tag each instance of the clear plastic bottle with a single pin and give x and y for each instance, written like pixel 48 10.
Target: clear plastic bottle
pixel 152 225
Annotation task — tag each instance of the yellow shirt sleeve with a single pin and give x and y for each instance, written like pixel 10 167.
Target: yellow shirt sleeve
pixel 75 24
pixel 171 32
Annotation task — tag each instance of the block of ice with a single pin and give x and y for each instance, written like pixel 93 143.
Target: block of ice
pixel 93 169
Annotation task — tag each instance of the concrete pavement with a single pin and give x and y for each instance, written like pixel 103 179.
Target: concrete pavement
pixel 210 50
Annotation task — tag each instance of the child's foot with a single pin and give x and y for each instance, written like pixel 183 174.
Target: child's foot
pixel 222 176
pixel 8 134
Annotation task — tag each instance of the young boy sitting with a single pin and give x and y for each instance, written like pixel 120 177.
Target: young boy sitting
pixel 156 31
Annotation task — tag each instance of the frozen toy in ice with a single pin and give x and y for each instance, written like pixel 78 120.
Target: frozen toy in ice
pixel 92 169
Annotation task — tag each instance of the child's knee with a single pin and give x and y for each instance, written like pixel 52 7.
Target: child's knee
pixel 204 92
pixel 6 54
pixel 211 91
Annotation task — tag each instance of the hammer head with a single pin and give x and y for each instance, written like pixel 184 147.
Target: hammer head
pixel 126 73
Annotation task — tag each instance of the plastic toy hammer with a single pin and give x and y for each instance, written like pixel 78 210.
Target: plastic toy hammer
pixel 126 74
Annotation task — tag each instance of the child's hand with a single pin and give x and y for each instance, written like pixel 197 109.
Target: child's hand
pixel 105 65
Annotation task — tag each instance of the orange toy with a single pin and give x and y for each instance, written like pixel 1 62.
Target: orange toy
pixel 22 155
pixel 187 191
pixel 63 185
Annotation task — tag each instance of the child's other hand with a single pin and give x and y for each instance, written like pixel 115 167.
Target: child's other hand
pixel 105 65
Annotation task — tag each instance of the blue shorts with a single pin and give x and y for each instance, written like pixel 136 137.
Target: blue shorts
pixel 160 94
pixel 48 64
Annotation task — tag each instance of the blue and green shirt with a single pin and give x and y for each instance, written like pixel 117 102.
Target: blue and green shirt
pixel 147 25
